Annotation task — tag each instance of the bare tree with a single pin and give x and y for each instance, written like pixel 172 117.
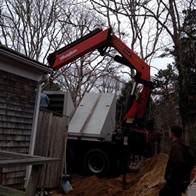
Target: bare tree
pixel 30 27
pixel 89 72
pixel 37 28
pixel 153 25
pixel 175 31
pixel 130 19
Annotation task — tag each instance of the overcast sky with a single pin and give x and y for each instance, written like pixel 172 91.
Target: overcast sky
pixel 160 63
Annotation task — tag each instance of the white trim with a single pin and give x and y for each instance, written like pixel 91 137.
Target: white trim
pixel 33 131
pixel 20 71
pixel 21 65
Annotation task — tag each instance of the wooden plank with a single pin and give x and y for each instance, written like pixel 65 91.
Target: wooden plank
pixel 26 161
pixel 15 131
pixel 13 169
pixel 43 140
pixel 57 136
pixel 15 149
pixel 4 153
pixel 33 181
pixel 6 191
pixel 18 138
pixel 50 135
pixel 16 174
pixel 12 181
pixel 61 124
pixel 52 130
pixel 12 144
pixel 37 163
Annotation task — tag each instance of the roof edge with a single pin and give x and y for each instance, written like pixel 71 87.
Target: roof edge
pixel 12 54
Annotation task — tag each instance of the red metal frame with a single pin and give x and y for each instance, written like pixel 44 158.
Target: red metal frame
pixel 138 63
pixel 100 40
pixel 96 41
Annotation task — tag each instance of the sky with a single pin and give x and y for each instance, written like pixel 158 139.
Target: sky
pixel 160 63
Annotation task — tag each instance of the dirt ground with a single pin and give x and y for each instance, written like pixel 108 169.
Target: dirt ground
pixel 146 182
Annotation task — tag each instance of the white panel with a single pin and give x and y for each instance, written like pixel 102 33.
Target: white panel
pixel 68 105
pixel 95 117
pixel 83 113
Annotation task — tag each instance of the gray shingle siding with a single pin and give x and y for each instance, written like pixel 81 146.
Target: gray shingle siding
pixel 17 102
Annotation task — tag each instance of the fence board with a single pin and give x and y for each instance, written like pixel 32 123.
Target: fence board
pixel 51 142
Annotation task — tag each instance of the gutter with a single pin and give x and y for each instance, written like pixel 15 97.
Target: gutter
pixel 16 56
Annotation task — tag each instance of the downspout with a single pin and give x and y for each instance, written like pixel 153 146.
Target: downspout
pixel 35 118
pixel 34 127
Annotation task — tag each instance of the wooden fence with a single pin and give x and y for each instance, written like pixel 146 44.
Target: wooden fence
pixel 51 141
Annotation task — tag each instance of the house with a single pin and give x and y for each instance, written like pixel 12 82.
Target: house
pixel 20 87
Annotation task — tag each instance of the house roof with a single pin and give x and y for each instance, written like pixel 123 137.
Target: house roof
pixel 15 56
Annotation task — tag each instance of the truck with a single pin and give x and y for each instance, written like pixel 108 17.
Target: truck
pixel 95 143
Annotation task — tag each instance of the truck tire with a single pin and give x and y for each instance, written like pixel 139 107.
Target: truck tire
pixel 97 162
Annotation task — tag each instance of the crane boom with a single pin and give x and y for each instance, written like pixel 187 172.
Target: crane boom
pixel 101 40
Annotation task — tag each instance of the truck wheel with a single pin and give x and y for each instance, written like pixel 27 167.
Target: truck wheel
pixel 97 162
